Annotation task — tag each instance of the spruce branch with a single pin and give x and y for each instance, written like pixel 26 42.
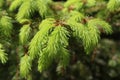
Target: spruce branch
pixel 113 5
pixel 73 4
pixel 88 35
pixel 91 3
pixel 51 41
pixel 55 49
pixel 44 61
pixel 28 7
pixel 25 65
pixel 24 33
pixel 3 55
pixel 15 4
pixel 42 7
pixel 25 10
pixel 76 16
pixel 37 43
pixel 88 32
pixel 64 58
pixel 57 39
pixel 101 24
pixel 6 26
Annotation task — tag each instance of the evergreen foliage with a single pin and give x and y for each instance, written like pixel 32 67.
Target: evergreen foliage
pixel 6 26
pixel 113 5
pixel 28 7
pixel 88 33
pixel 91 2
pixel 56 49
pixel 24 33
pixel 25 65
pixel 78 4
pixel 1 3
pixel 37 43
pixel 15 4
pixel 3 55
pixel 46 39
